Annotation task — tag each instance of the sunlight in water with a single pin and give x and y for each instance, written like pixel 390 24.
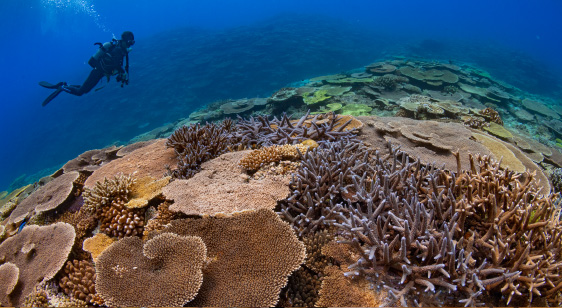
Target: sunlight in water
pixel 77 7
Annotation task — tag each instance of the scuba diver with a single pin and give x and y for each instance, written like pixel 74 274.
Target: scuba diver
pixel 107 61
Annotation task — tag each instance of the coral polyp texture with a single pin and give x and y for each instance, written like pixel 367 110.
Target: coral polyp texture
pixel 79 280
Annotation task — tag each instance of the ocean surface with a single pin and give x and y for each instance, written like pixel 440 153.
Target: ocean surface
pixel 191 53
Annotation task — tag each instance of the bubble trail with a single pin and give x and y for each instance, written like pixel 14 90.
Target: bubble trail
pixel 77 7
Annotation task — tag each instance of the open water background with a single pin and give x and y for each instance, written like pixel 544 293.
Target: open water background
pixel 190 53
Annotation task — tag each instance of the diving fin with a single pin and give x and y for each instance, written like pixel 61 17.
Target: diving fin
pixel 51 97
pixel 48 85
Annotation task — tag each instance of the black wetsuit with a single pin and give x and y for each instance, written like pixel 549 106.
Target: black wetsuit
pixel 110 62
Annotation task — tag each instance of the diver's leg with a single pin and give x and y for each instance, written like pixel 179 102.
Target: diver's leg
pixel 92 80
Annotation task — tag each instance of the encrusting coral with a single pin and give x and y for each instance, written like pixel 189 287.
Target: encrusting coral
pixel 96 244
pixel 164 271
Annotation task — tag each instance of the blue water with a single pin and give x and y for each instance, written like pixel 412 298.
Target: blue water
pixel 190 53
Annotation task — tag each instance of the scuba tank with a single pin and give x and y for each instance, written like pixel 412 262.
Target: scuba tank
pixel 95 61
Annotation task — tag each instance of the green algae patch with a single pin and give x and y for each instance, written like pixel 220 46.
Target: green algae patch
pixel 315 97
pixel 356 110
pixel 498 131
pixel 333 107
pixel 335 90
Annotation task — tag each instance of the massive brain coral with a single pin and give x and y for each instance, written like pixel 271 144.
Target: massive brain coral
pixel 222 186
pixel 251 255
pixel 39 253
pixel 164 271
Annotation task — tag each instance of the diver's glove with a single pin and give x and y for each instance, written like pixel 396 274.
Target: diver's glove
pixel 123 77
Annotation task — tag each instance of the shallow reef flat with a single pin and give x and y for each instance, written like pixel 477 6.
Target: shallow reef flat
pixel 403 183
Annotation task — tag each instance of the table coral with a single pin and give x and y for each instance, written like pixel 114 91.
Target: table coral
pixel 46 198
pixel 164 271
pixel 222 186
pixel 149 160
pixel 9 276
pixel 250 254
pixel 39 253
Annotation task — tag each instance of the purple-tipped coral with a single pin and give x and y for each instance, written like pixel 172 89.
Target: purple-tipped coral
pixel 260 131
pixel 320 181
pixel 424 233
pixel 197 144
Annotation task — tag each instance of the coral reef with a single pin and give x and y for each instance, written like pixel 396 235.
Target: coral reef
pixel 9 276
pixel 164 271
pixel 422 228
pixel 96 244
pixel 91 160
pixel 104 192
pixel 117 220
pixel 556 179
pixel 316 187
pixel 145 189
pixel 491 115
pixel 161 218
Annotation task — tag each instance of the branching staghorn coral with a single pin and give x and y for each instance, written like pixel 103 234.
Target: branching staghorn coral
pixel 260 131
pixel 320 181
pixel 196 144
pixel 426 233
pixel 427 229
